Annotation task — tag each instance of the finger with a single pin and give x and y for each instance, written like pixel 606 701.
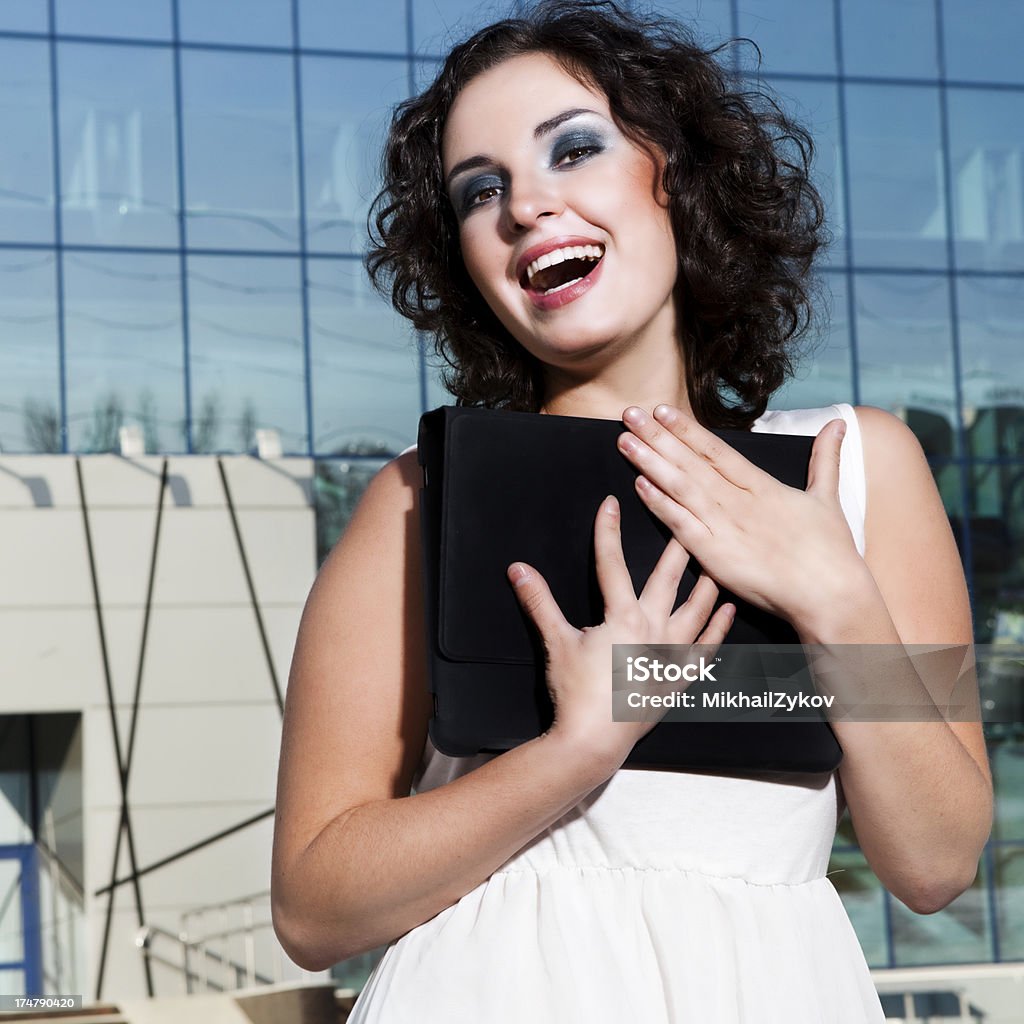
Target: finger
pixel 718 628
pixel 659 594
pixel 693 613
pixel 612 573
pixel 708 446
pixel 679 474
pixel 687 527
pixel 823 470
pixel 537 601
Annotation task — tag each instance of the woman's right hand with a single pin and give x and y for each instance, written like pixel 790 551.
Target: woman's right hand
pixel 579 661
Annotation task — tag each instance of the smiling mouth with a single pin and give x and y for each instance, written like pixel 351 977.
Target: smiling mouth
pixel 546 280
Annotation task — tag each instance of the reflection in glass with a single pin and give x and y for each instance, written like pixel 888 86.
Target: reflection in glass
pixel 26 170
pixel 986 132
pixel 254 22
pixel 1009 872
pixel 366 378
pixel 346 108
pixel 376 28
pixel 983 47
pixel 815 105
pixel 991 312
pixel 997 548
pixel 117 140
pixel 241 176
pixel 896 180
pixel 960 933
pixel 246 352
pixel 863 898
pixel 123 19
pixel 124 344
pixel 338 484
pixel 905 352
pixel 824 373
pixel 439 24
pixel 1007 760
pixel 796 36
pixel 29 388
pixel 906 48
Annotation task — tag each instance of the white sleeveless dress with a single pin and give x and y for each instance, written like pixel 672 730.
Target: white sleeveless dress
pixel 662 898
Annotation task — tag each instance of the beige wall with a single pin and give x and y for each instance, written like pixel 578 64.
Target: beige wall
pixel 208 724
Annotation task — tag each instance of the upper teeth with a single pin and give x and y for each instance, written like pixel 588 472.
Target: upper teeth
pixel 570 252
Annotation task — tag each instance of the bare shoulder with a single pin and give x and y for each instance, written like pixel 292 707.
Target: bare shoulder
pixel 909 542
pixel 910 548
pixel 357 704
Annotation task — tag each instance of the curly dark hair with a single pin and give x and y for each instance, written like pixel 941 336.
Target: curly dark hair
pixel 737 175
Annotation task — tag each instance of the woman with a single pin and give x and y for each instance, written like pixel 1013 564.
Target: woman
pixel 545 883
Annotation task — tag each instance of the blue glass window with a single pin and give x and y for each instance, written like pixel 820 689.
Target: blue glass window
pixel 896 179
pixel 126 19
pixel 983 41
pixel 424 72
pixel 991 314
pixel 986 130
pixel 29 386
pixel 824 369
pixel 252 22
pixel 440 24
pixel 959 934
pixel 798 35
pixel 26 170
pixel 246 352
pixel 864 899
pixel 905 349
pixel 890 38
pixel 815 105
pixel 1009 894
pixel 241 175
pixel 711 20
pixel 24 16
pixel 346 108
pixel 378 28
pixel 125 352
pixel 117 141
pixel 366 378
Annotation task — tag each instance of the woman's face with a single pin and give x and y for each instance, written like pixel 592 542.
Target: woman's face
pixel 539 174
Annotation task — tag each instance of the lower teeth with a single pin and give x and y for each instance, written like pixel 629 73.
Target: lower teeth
pixel 551 291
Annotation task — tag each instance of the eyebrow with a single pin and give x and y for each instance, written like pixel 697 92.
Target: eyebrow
pixel 544 128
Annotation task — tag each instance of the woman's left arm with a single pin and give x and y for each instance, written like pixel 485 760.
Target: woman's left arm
pixel 919 793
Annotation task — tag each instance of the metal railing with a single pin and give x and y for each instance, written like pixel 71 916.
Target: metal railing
pixel 223 947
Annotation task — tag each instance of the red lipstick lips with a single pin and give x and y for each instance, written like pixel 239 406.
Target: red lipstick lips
pixel 569 293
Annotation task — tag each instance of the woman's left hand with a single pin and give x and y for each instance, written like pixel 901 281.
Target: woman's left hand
pixel 780 548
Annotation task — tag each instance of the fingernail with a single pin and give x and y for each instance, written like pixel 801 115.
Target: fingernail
pixel 635 416
pixel 611 505
pixel 518 573
pixel 665 413
pixel 628 443
pixel 841 429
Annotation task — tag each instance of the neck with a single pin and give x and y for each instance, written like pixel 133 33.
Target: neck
pixel 640 377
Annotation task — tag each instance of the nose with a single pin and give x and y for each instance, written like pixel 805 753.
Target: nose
pixel 529 199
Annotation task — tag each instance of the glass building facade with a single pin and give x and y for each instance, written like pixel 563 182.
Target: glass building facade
pixel 183 197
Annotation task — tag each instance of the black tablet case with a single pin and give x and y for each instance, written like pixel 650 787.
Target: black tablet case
pixel 505 486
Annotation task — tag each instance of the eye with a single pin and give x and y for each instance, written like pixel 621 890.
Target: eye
pixel 482 195
pixel 576 154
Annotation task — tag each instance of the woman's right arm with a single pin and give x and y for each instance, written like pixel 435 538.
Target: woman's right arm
pixel 358 861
